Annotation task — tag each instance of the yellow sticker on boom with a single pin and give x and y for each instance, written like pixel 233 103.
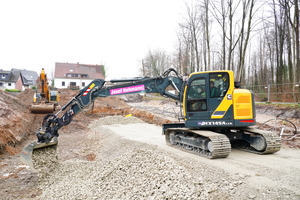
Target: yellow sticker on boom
pixel 92 85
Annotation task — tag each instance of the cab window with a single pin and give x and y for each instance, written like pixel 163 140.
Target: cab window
pixel 196 99
pixel 218 84
pixel 197 89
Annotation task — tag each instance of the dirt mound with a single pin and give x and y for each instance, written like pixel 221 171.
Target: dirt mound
pixel 110 106
pixel 16 122
pixel 66 95
pixel 284 112
pixel 26 97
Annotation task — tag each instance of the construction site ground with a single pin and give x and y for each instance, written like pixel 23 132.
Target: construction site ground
pixel 119 152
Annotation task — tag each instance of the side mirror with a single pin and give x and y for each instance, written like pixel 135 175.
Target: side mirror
pixel 237 84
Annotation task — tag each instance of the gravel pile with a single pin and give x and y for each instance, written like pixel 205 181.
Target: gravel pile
pixel 44 160
pixel 132 170
pixel 137 174
pixel 111 120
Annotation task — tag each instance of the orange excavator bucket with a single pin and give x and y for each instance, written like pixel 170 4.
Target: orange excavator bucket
pixel 42 108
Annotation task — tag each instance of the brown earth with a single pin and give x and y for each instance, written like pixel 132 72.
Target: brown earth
pixel 18 125
pixel 16 121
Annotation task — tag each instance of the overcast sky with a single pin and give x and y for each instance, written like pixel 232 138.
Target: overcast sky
pixel 116 33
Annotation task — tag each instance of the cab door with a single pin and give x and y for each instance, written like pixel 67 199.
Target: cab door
pixel 196 98
pixel 203 105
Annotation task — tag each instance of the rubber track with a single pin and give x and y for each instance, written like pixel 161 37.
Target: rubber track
pixel 221 143
pixel 272 140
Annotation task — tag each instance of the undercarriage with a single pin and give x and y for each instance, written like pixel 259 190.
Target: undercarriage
pixel 215 144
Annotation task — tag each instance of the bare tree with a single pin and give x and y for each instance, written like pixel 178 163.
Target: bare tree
pixel 247 17
pixel 220 14
pixel 291 9
pixel 191 29
pixel 183 61
pixel 155 63
pixel 224 13
pixel 206 35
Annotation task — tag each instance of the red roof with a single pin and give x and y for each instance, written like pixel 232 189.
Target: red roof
pixel 92 71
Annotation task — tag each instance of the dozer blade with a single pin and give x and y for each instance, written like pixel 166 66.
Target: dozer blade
pixel 27 152
pixel 42 108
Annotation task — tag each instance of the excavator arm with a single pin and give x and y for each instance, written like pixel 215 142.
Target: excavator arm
pixel 85 98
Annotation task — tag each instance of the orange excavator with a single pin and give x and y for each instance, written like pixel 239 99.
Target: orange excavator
pixel 45 99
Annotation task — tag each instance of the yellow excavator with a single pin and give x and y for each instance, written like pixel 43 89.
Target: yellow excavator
pixel 45 99
pixel 217 114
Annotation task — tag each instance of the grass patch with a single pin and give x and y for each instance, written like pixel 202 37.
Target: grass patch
pixel 12 90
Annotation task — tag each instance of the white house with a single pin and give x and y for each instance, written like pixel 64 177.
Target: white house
pixel 76 76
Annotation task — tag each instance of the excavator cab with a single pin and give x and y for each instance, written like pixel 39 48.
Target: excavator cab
pixel 54 95
pixel 215 105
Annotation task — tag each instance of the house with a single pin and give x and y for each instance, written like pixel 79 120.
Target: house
pixel 17 79
pixel 70 75
pixel 29 78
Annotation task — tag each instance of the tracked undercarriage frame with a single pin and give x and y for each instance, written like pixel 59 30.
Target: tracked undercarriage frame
pixel 217 143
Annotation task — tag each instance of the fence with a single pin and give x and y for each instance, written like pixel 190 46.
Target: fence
pixel 286 92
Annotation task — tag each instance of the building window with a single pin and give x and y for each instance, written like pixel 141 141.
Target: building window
pixel 3 76
pixel 83 84
pixel 9 84
pixel 63 83
pixel 73 83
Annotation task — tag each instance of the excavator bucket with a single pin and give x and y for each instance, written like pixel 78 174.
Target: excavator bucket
pixel 42 108
pixel 26 155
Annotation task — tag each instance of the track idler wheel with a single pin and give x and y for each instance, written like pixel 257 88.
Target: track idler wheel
pixel 258 142
pixel 210 146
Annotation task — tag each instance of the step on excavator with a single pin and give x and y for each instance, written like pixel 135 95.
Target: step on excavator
pixel 216 113
pixel 45 99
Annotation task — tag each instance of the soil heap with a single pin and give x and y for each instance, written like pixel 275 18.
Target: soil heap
pixel 16 121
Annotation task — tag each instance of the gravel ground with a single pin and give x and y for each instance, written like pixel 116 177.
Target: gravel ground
pixel 132 170
pixel 127 169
